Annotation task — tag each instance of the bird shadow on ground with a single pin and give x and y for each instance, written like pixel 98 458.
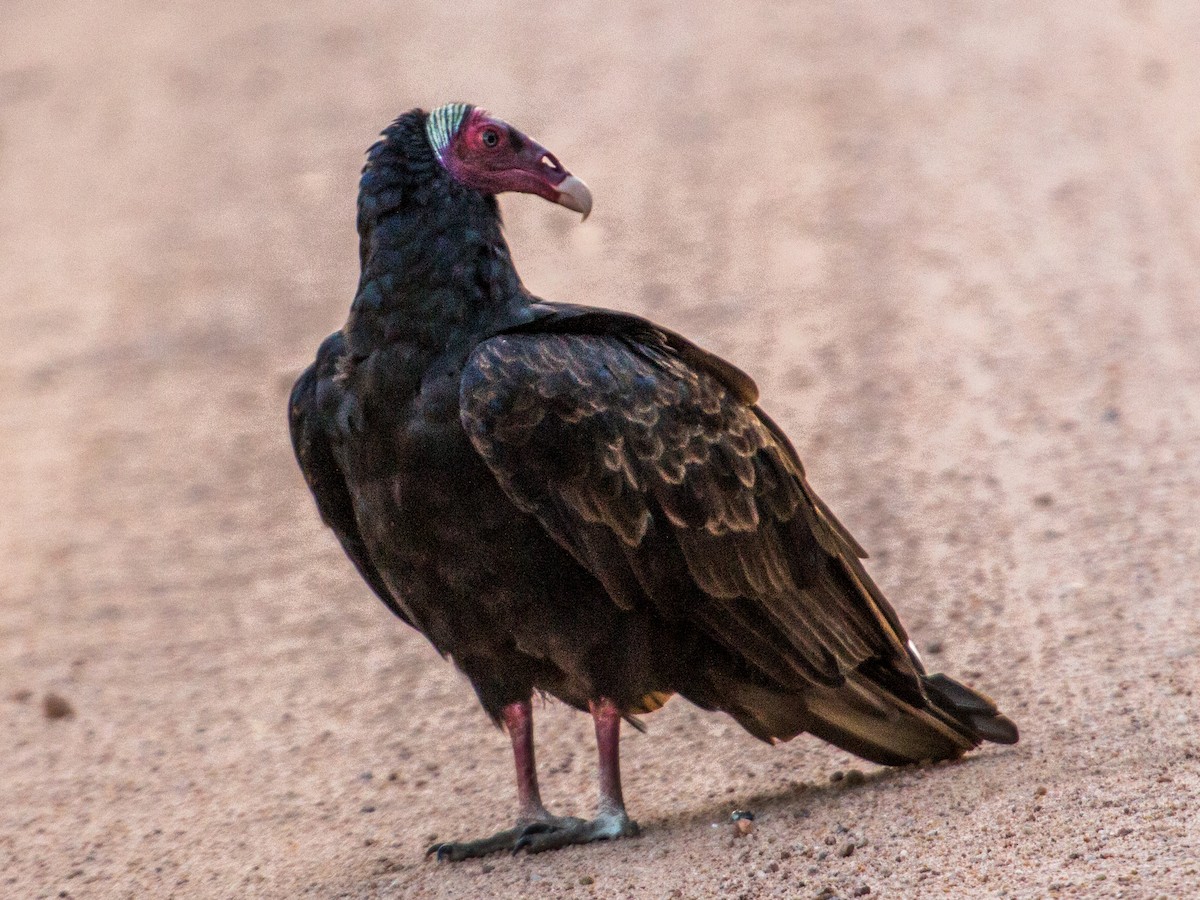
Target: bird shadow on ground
pixel 800 800
pixel 797 801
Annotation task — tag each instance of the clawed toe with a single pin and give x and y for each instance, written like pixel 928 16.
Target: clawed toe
pixel 544 836
pixel 529 836
pixel 452 851
pixel 541 826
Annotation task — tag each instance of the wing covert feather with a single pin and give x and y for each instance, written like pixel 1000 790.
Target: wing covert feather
pixel 662 479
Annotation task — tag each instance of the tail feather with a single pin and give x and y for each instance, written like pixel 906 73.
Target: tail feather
pixel 943 719
pixel 867 719
pixel 975 710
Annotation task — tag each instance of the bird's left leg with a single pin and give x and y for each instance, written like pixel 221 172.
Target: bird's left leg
pixel 518 721
pixel 611 819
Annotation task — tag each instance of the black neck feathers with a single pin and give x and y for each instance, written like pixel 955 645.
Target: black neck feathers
pixel 433 255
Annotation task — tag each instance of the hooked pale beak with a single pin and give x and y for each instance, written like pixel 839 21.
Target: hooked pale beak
pixel 574 194
pixel 559 185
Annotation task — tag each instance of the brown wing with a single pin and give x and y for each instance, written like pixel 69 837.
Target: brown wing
pixel 650 465
pixel 311 417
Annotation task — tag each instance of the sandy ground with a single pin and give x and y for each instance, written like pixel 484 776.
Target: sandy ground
pixel 960 250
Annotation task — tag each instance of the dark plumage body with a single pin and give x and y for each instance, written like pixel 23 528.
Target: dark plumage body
pixel 416 507
pixel 449 552
pixel 575 501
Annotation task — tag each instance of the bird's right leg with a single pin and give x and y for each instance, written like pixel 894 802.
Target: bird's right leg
pixel 518 721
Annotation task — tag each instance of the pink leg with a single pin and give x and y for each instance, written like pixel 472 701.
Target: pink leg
pixel 518 719
pixel 607 719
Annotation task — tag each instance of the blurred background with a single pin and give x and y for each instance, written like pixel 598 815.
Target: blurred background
pixel 958 246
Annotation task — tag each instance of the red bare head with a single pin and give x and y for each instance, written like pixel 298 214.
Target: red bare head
pixel 489 155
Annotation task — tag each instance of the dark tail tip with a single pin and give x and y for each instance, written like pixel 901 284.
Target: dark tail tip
pixel 973 709
pixel 998 728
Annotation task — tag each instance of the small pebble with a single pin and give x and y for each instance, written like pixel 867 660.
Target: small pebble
pixel 586 879
pixel 847 849
pixel 862 890
pixel 933 648
pixel 837 776
pixel 1040 792
pixel 56 707
pixel 855 777
pixel 485 868
pixel 743 821
pixel 22 696
pixel 368 809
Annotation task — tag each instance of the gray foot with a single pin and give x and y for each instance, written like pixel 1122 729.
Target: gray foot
pixel 506 840
pixel 541 836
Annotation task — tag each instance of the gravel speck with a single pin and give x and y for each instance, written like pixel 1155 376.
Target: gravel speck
pixel 847 849
pixel 56 707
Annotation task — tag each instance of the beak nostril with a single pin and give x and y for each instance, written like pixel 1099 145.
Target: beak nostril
pixel 550 162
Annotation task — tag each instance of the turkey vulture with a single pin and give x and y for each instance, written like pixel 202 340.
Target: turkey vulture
pixel 576 501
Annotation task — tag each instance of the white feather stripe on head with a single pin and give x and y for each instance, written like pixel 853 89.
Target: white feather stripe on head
pixel 441 125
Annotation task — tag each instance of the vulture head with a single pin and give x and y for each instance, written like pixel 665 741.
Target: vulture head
pixel 489 155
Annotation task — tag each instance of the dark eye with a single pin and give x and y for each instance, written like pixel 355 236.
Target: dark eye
pixel 489 137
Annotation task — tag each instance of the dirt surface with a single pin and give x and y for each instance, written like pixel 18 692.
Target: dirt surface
pixel 960 250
